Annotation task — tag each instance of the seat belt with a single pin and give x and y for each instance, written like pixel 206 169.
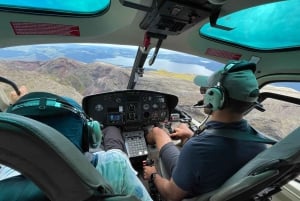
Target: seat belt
pixel 252 136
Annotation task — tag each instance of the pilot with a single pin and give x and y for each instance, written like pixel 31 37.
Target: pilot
pixel 113 164
pixel 206 160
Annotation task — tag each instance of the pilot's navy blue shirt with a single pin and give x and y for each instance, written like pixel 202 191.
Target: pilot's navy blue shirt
pixel 207 161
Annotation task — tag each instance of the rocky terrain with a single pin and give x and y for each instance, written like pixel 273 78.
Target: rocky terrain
pixel 77 79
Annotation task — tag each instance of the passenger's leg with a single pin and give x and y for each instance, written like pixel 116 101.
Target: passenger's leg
pixel 7 172
pixel 112 139
pixel 116 169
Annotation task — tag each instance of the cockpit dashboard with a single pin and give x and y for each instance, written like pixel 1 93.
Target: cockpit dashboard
pixel 130 109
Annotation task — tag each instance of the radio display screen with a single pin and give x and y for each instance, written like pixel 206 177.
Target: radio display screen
pixel 115 117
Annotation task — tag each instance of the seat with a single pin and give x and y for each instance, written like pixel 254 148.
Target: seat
pixel 264 175
pixel 50 161
pixel 20 188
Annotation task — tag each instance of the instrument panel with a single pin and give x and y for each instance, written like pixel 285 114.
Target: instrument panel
pixel 130 108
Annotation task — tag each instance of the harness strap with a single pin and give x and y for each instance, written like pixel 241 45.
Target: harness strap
pixel 253 135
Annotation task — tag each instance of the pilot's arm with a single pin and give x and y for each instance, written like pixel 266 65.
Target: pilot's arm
pixel 167 188
pixel 182 132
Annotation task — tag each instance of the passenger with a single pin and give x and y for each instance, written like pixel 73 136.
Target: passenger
pixel 113 164
pixel 13 97
pixel 206 161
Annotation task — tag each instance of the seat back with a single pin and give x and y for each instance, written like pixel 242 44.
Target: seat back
pixel 48 159
pixel 264 175
pixel 20 188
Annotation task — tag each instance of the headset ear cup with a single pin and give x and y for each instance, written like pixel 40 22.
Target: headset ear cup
pixel 215 98
pixel 94 133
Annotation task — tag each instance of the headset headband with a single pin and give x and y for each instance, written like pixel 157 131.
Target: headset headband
pixel 239 66
pixel 42 103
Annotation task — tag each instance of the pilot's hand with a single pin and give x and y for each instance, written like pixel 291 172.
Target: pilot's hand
pixel 14 96
pixel 148 170
pixel 154 134
pixel 182 132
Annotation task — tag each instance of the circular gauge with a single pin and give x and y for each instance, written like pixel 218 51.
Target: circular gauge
pixel 146 106
pixel 131 107
pixel 98 107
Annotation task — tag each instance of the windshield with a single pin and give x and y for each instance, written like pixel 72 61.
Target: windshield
pixel 88 69
pixel 79 70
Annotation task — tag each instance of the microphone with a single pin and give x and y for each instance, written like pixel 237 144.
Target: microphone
pixel 259 107
pixel 200 104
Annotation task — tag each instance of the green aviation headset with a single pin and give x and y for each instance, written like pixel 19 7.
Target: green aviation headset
pixel 215 97
pixel 46 104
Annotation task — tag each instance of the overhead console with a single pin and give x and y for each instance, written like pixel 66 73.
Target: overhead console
pixel 130 109
pixel 172 17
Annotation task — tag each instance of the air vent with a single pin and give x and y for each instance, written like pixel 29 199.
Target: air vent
pixel 34 28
